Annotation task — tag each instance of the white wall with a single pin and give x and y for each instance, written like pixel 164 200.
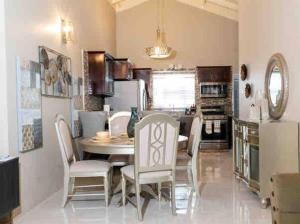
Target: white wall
pixel 3 89
pixel 32 23
pixel 267 27
pixel 198 37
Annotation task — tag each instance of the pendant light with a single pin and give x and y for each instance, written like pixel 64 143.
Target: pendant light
pixel 160 50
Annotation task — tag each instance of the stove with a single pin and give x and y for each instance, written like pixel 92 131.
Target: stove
pixel 215 127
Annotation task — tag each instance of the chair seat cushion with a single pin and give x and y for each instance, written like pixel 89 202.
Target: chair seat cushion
pixel 89 167
pixel 129 172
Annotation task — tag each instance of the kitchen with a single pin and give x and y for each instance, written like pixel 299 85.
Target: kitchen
pixel 115 84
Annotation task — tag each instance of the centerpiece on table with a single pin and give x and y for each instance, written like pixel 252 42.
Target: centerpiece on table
pixel 133 120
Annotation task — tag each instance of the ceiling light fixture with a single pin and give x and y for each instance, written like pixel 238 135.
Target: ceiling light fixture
pixel 160 50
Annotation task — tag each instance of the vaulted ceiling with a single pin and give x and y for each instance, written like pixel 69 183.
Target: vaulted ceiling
pixel 225 8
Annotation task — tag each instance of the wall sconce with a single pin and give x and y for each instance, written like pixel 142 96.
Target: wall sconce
pixel 66 31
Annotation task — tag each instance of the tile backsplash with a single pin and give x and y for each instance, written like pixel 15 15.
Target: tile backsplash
pixel 92 103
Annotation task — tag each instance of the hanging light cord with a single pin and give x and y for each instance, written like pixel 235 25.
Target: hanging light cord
pixel 158 13
pixel 162 15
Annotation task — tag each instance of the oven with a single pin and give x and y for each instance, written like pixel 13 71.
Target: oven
pixel 214 136
pixel 213 89
pixel 215 127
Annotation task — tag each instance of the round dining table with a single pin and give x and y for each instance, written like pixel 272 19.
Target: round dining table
pixel 121 145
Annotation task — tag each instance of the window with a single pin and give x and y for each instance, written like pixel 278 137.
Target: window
pixel 173 90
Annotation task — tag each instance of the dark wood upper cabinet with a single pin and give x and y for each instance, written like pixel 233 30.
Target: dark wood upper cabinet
pixel 122 69
pixel 214 74
pixel 144 74
pixel 101 66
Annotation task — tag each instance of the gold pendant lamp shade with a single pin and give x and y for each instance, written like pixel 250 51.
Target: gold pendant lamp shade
pixel 160 50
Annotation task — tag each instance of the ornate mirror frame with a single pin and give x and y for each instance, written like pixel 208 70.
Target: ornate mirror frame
pixel 278 60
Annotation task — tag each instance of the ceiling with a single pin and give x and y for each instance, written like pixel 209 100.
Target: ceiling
pixel 225 8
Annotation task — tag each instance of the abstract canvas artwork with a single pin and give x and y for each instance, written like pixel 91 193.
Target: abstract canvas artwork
pixel 77 105
pixel 30 130
pixel 56 78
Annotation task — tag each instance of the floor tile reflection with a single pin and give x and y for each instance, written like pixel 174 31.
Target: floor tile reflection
pixel 223 200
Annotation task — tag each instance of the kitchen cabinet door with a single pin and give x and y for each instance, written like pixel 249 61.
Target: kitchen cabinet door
pixel 122 69
pixel 100 73
pixel 214 74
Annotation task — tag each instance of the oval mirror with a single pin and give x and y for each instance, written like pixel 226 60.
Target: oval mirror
pixel 276 86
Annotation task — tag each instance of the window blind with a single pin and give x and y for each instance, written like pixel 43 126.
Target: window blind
pixel 173 90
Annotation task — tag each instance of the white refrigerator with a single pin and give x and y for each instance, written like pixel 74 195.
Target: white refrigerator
pixel 128 94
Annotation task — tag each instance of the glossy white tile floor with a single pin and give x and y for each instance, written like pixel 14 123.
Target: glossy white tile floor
pixel 223 200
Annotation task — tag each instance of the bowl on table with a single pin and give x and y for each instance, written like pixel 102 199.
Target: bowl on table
pixel 102 134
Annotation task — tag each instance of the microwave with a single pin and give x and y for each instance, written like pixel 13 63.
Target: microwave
pixel 213 89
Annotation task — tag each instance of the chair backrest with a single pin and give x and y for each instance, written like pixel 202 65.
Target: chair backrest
pixel 118 122
pixel 195 136
pixel 156 140
pixel 64 140
pixel 92 122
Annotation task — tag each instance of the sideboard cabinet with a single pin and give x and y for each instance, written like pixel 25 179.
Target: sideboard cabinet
pixel 246 153
pixel 262 149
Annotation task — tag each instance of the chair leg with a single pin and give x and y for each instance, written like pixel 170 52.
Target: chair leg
pixel 123 190
pixel 72 183
pixel 111 175
pixel 66 191
pixel 111 172
pixel 173 198
pixel 159 191
pixel 195 179
pixel 190 179
pixel 138 201
pixel 106 188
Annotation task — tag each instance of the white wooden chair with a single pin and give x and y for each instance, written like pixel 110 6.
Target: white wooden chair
pixel 190 162
pixel 117 125
pixel 156 140
pixel 73 168
pixel 118 122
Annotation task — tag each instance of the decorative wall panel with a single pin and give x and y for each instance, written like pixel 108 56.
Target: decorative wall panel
pixel 30 130
pixel 77 105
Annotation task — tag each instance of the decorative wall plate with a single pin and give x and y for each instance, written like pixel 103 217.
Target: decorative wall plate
pixel 247 90
pixel 44 59
pixel 244 72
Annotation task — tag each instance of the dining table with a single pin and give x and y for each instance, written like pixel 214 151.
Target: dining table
pixel 116 145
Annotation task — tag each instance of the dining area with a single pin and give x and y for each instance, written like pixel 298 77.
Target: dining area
pixel 132 160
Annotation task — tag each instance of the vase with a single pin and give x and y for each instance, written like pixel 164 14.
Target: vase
pixel 133 120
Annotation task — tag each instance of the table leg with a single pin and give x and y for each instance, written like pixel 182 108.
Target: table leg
pixel 118 188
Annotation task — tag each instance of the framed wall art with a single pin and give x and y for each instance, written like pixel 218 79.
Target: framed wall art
pixel 29 104
pixel 56 78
